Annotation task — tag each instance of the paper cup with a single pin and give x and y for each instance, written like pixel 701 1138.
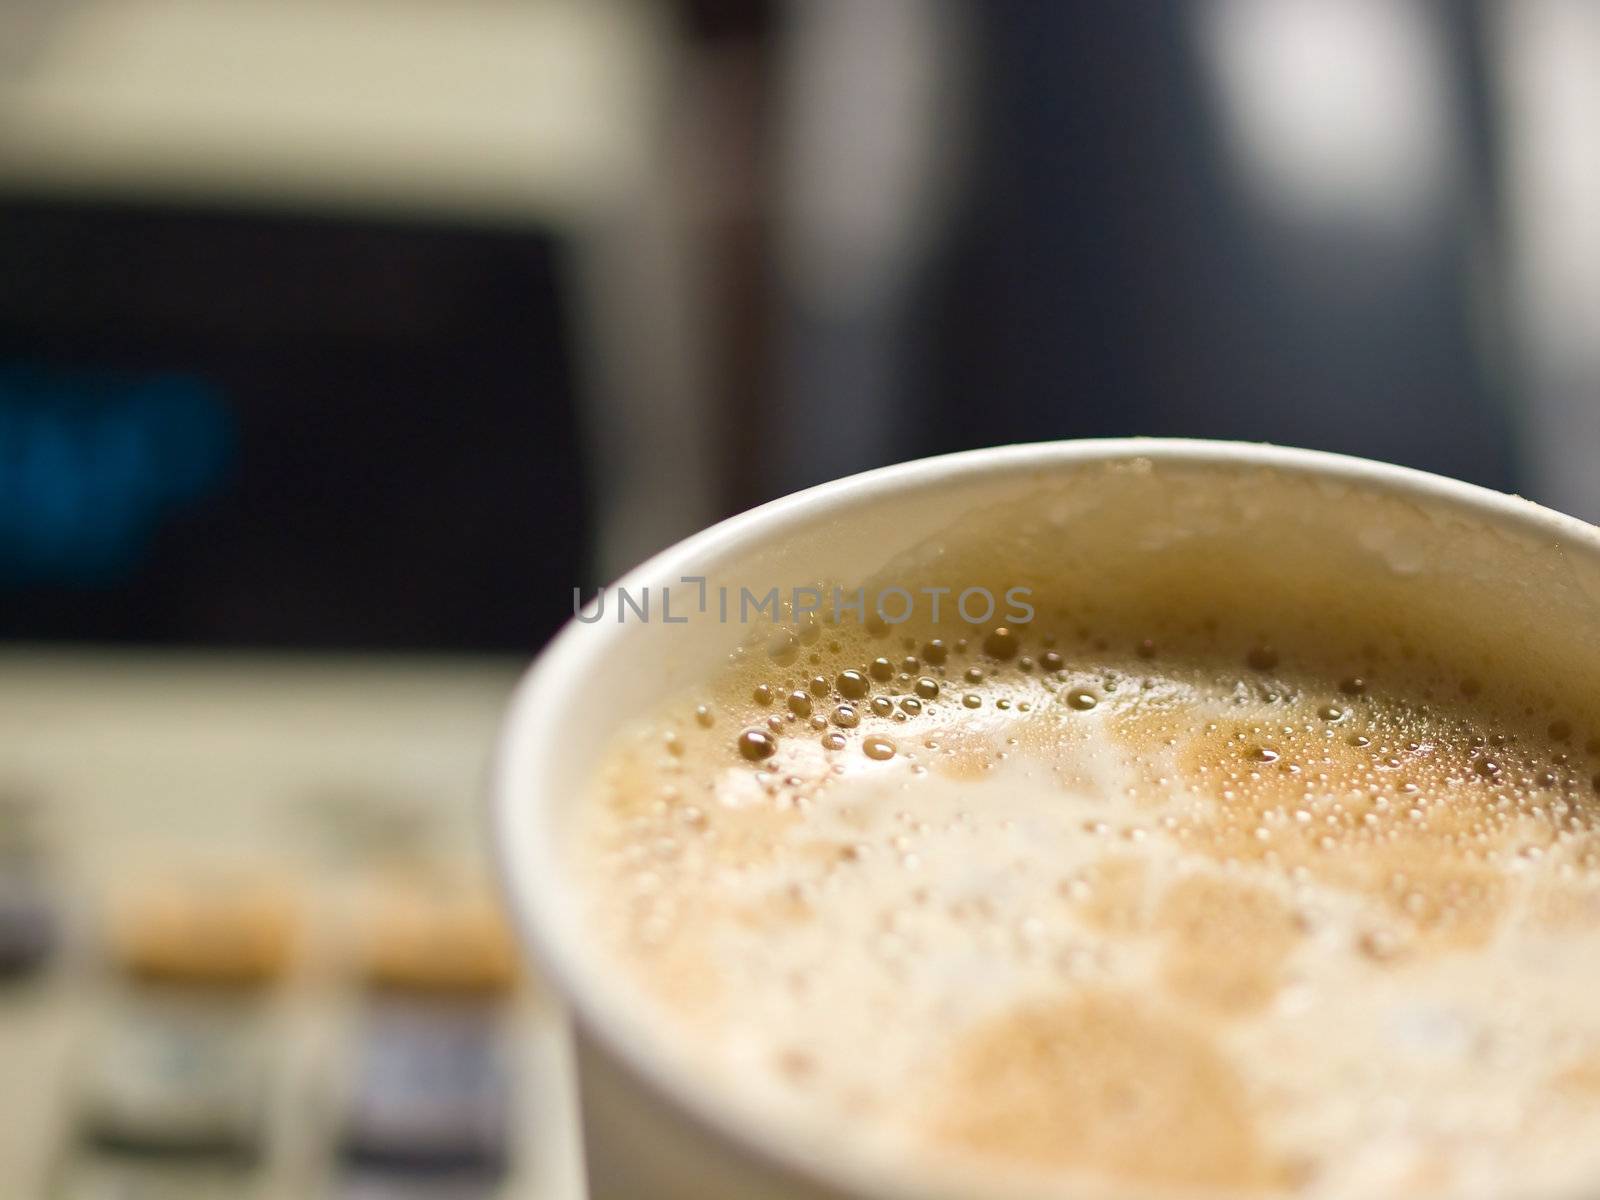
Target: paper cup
pixel 1508 571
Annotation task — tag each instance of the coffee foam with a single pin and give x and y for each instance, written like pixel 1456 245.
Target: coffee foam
pixel 1216 877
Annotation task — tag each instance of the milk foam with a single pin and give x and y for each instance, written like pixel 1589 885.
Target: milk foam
pixel 1180 888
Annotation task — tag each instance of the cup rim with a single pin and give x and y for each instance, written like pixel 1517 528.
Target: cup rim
pixel 530 869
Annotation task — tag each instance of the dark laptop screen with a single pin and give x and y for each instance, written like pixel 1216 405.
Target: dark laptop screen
pixel 228 429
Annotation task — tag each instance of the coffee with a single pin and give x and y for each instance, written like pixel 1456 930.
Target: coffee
pixel 1206 879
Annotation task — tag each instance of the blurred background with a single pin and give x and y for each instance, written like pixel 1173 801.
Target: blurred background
pixel 377 325
pixel 341 339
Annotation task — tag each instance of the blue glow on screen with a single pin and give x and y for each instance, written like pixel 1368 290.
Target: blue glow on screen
pixel 92 462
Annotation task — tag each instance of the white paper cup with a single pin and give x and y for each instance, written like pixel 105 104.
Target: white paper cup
pixel 1509 567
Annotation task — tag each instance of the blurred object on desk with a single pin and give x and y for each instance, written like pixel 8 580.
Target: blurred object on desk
pixel 206 924
pixel 232 983
pixel 181 1075
pixel 427 931
pixel 282 431
pixel 1151 245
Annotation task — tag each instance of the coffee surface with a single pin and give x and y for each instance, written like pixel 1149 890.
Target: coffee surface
pixel 1159 893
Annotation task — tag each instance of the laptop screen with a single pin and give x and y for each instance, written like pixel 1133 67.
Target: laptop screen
pixel 256 429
